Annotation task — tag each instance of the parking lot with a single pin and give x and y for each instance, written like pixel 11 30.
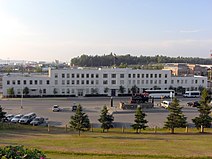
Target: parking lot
pixel 92 106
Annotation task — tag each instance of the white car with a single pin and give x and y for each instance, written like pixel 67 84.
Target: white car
pixel 56 108
pixel 16 118
pixel 165 104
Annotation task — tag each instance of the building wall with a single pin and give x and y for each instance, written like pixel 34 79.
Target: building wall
pixel 87 81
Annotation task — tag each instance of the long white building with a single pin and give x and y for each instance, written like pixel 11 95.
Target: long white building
pixel 82 81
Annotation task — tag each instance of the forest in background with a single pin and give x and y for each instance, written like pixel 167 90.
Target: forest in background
pixel 126 60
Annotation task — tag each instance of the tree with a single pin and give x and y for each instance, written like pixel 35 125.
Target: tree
pixel 26 91
pixel 122 89
pixel 176 118
pixel 204 109
pixel 106 119
pixel 2 114
pixel 80 120
pixel 134 89
pixel 10 91
pixel 140 122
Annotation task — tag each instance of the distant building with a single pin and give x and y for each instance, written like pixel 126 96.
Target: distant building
pixel 82 81
pixel 183 69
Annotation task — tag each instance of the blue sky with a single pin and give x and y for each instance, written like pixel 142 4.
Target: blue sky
pixel 63 29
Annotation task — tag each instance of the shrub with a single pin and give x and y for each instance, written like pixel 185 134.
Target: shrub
pixel 20 152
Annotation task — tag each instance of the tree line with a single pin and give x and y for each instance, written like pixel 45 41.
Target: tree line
pixel 125 60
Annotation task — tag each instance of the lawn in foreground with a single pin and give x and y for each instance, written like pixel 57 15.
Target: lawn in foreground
pixel 115 144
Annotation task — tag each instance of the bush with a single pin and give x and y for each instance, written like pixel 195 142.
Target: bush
pixel 19 152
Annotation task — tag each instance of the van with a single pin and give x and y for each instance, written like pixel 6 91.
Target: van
pixel 165 104
pixel 26 119
pixel 191 94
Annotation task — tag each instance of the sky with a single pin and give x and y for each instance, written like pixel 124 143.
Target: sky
pixel 46 30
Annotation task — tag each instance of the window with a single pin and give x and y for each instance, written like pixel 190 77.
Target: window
pixel 159 81
pixel 30 82
pixel 142 75
pixel 40 82
pixel 19 82
pixel 36 82
pixel 63 75
pixel 44 91
pixel 113 82
pixel 72 75
pixel 151 81
pixel 196 81
pixel 122 82
pixel 134 82
pixel 97 75
pixel 121 75
pixel 165 75
pixel 92 82
pixel 178 81
pixel 138 81
pixel 92 75
pixel 165 81
pixel 147 81
pixel 172 81
pixel 68 75
pixel 87 75
pixel 129 81
pixel 97 82
pixel 113 75
pixel 47 81
pixel 55 75
pixel 77 75
pixel 185 81
pixel 151 75
pixel 142 81
pixel 77 81
pixel 181 81
pixel 159 75
pixel 72 82
pixel 82 82
pixel 147 75
pixel 68 82
pixel 82 75
pixel 25 82
pixel 203 81
pixel 13 81
pixel 105 75
pixel 156 75
pixel 156 82
pixel 105 82
pixel 129 75
pixel 87 81
pixel 133 75
pixel 138 75
pixel 56 82
pixel 8 82
pixel 63 82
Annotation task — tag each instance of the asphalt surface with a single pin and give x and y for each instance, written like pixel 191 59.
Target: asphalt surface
pixel 92 106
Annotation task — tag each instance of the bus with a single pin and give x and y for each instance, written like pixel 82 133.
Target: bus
pixel 191 94
pixel 160 93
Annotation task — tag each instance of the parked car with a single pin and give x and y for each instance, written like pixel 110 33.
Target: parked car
pixel 56 108
pixel 193 104
pixel 16 118
pixel 26 119
pixel 74 108
pixel 8 117
pixel 37 121
pixel 165 104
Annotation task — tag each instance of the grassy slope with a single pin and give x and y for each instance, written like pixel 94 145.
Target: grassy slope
pixel 58 144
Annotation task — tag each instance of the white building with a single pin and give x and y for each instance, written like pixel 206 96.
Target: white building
pixel 82 81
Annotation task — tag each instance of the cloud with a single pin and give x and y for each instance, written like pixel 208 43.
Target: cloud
pixel 189 31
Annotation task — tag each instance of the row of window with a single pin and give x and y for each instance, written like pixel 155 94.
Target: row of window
pixel 25 82
pixel 107 75
pixel 104 82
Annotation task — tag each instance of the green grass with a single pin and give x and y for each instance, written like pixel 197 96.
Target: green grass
pixel 92 145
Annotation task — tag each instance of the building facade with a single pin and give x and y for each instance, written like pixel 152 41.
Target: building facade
pixel 83 81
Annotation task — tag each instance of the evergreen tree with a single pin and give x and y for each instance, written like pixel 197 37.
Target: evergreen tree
pixel 140 122
pixel 204 109
pixel 26 91
pixel 106 119
pixel 80 120
pixel 176 118
pixel 2 114
pixel 10 91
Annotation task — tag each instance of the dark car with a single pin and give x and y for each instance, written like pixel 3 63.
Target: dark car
pixel 37 121
pixel 8 117
pixel 193 104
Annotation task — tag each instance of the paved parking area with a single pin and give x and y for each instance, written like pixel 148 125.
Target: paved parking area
pixel 92 106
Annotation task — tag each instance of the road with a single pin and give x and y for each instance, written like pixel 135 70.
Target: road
pixel 92 106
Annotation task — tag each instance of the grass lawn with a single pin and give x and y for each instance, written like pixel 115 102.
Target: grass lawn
pixel 58 144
